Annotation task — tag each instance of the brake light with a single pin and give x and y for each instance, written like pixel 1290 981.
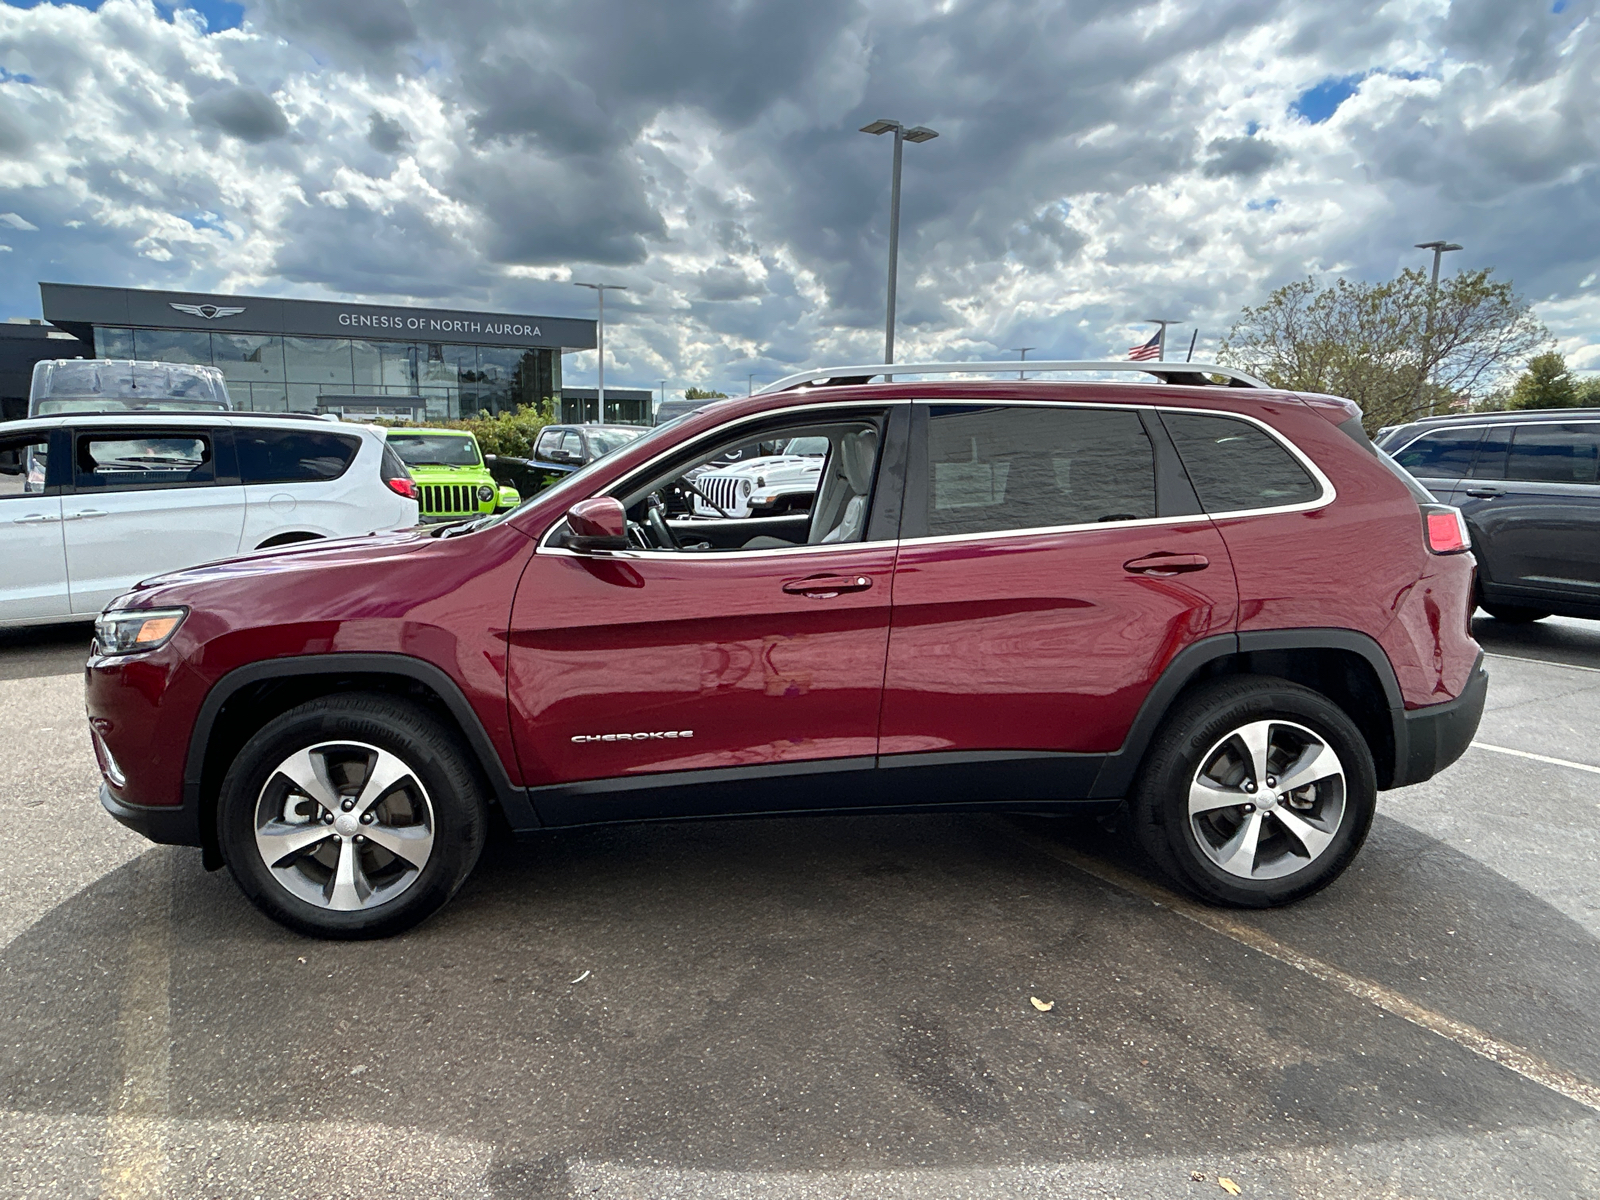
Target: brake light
pixel 403 486
pixel 1446 529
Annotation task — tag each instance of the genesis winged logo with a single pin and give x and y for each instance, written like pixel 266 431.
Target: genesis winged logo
pixel 209 311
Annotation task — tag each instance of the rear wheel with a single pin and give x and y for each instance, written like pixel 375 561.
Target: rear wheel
pixel 351 816
pixel 1513 614
pixel 1256 792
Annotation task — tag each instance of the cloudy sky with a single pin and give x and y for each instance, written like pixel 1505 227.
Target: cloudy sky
pixel 1098 161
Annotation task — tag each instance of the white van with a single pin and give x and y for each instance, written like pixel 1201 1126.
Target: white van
pixel 92 503
pixel 97 385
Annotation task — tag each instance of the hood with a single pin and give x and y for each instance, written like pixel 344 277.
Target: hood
pixel 785 466
pixel 319 555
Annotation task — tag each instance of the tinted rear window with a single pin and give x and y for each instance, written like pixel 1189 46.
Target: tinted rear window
pixel 1235 465
pixel 997 468
pixel 293 455
pixel 1555 454
pixel 1443 454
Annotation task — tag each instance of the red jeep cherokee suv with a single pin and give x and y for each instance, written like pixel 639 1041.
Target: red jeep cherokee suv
pixel 1217 605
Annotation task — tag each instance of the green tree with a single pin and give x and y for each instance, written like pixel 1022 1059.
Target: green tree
pixel 1393 347
pixel 1545 384
pixel 695 393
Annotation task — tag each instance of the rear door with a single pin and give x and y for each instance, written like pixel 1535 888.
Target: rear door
pixel 1533 502
pixel 146 500
pixel 34 582
pixel 296 482
pixel 1048 572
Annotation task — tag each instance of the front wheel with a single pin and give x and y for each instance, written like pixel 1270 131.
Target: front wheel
pixel 351 816
pixel 1255 792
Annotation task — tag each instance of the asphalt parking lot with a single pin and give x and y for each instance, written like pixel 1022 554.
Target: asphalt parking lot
pixel 822 1007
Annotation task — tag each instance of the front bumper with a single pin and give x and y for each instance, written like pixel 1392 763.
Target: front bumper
pixel 169 825
pixel 1427 740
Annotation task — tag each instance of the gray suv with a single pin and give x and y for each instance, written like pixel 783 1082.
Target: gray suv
pixel 1529 486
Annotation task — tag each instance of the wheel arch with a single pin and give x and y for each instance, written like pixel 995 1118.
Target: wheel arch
pixel 246 698
pixel 1347 666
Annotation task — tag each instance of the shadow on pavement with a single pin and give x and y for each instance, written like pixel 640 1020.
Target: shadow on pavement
pixel 821 993
pixel 33 651
pixel 1566 640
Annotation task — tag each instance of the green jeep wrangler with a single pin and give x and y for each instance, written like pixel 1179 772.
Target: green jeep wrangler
pixel 453 483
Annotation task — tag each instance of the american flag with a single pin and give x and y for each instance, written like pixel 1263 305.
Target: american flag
pixel 1146 350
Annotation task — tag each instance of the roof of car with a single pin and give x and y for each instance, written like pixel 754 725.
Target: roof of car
pixel 598 428
pixel 1500 416
pixel 163 420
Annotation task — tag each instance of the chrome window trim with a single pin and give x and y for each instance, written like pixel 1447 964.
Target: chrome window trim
pixel 1328 492
pixel 644 468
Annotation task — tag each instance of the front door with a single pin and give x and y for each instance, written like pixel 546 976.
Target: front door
pixel 144 502
pixel 1038 592
pixel 716 648
pixel 34 582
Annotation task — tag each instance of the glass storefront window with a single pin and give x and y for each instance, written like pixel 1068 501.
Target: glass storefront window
pixel 113 343
pixel 248 357
pixel 317 360
pixel 258 397
pixel 172 345
pixel 304 397
pixel 388 365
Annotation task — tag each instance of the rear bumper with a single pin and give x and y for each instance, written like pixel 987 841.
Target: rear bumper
pixel 1427 740
pixel 174 825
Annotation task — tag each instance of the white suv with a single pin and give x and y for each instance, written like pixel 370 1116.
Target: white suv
pixel 764 486
pixel 91 504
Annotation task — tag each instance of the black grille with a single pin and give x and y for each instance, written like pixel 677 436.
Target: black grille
pixel 441 498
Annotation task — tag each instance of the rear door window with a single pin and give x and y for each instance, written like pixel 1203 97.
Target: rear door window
pixel 994 468
pixel 124 461
pixel 1236 466
pixel 293 455
pixel 1551 453
pixel 1443 454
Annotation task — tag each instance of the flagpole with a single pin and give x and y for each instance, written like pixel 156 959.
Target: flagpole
pixel 1161 333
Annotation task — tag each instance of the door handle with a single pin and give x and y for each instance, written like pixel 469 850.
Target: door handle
pixel 34 519
pixel 1485 493
pixel 1167 564
pixel 823 587
pixel 86 514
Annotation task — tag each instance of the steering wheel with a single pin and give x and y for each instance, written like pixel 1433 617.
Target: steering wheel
pixel 660 531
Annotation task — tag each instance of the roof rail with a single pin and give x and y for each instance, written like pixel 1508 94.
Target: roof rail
pixel 1191 373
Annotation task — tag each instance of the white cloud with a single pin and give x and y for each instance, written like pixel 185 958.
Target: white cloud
pixel 16 222
pixel 1097 162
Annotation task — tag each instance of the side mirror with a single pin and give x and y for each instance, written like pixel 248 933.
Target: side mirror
pixel 599 523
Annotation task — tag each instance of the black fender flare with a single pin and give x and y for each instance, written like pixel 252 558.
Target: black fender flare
pixel 1117 773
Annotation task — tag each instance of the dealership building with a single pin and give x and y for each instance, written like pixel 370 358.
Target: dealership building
pixel 329 356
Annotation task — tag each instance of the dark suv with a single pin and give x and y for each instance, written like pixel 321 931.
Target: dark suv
pixel 1217 605
pixel 1528 484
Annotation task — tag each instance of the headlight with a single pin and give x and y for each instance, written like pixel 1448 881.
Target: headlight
pixel 135 631
pixel 485 492
pixel 746 487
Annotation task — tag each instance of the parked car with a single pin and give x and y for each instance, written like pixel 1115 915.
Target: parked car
pixel 91 504
pixel 1528 484
pixel 768 482
pixel 109 385
pixel 1218 606
pixel 563 449
pixel 671 410
pixel 453 481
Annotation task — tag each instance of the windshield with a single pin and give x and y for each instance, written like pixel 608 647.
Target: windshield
pixel 435 450
pixel 810 447
pixel 604 441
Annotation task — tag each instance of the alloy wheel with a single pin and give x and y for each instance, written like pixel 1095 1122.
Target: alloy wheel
pixel 345 826
pixel 1267 799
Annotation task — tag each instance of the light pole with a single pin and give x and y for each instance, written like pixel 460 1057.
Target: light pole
pixel 1161 346
pixel 917 133
pixel 663 400
pixel 600 344
pixel 1023 351
pixel 1440 249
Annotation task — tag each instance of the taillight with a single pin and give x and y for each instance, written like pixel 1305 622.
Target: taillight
pixel 403 486
pixel 1446 529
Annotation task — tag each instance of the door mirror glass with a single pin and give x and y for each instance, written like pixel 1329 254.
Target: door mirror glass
pixel 597 524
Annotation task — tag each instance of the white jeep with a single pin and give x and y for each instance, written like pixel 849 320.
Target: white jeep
pixel 764 486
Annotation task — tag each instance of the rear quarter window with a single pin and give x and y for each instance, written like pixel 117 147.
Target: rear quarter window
pixel 293 455
pixel 1236 466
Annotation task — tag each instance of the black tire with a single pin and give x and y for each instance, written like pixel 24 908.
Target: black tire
pixel 1195 729
pixel 1513 614
pixel 433 755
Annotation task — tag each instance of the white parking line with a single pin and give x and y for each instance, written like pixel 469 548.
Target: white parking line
pixel 1544 758
pixel 1544 662
pixel 1514 1058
